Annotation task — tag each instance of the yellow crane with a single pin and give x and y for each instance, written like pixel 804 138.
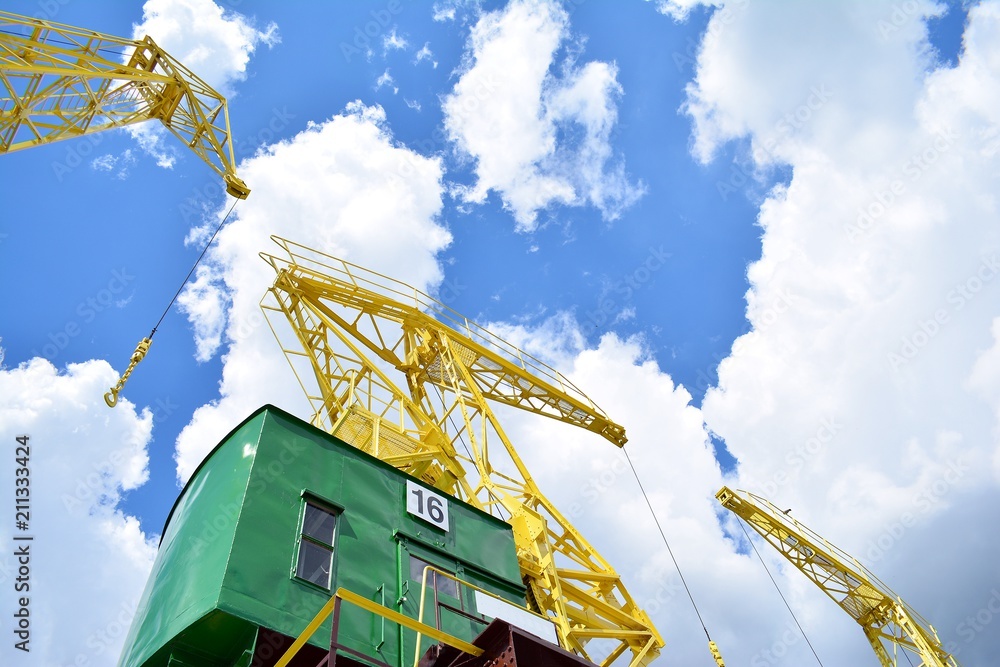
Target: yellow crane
pixel 348 332
pixel 58 82
pixel 892 627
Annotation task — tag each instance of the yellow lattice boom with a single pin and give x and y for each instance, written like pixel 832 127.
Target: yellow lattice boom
pixel 58 82
pixel 347 332
pixel 892 627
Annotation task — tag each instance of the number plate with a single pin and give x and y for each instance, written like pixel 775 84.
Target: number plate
pixel 429 506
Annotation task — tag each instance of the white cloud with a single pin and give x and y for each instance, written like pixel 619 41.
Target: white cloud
pixel 447 10
pixel 984 380
pixel 679 9
pixel 214 43
pixel 206 302
pixel 119 164
pixel 861 397
pixel 386 80
pixel 670 448
pixel 425 53
pixel 342 186
pixel 155 141
pixel 88 560
pixel 393 42
pixel 507 112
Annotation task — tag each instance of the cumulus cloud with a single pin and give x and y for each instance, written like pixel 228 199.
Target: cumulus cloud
pixel 214 43
pixel 671 449
pixel 88 560
pixel 342 186
pixel 860 396
pixel 537 139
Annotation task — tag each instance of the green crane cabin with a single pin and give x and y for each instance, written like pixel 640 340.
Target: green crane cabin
pixel 279 517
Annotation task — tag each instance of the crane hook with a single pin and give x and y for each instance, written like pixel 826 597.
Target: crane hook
pixel 715 653
pixel 111 398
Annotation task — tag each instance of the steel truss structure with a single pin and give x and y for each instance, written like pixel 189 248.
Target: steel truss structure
pixel 58 82
pixel 892 627
pixel 353 329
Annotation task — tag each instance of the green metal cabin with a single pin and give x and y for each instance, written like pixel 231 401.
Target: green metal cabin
pixel 281 514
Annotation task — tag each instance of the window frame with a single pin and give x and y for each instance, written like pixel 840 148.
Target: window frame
pixel 438 582
pixel 301 536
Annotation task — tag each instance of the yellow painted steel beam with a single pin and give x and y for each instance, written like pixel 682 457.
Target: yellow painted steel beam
pixel 396 373
pixel 882 614
pixel 500 371
pixel 58 82
pixel 379 610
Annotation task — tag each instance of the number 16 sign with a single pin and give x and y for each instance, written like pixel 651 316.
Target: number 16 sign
pixel 427 505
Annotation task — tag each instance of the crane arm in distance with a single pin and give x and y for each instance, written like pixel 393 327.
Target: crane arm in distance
pixel 59 81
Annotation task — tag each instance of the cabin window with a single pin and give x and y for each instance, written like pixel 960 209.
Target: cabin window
pixel 445 586
pixel 315 561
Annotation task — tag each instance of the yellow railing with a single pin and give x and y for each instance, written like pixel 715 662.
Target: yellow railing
pixel 380 610
pixel 459 583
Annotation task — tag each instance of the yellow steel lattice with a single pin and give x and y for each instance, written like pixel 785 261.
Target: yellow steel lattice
pixel 58 82
pixel 891 626
pixel 358 330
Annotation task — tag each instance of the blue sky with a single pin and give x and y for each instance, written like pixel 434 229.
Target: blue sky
pixel 679 186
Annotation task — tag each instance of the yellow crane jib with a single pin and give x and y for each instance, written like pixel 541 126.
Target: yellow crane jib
pixel 111 398
pixel 891 626
pixel 59 81
pixel 396 373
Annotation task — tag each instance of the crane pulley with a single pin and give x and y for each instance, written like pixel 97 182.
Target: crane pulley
pixel 891 626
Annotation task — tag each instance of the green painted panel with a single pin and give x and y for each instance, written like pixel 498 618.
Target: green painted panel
pixel 186 578
pixel 242 513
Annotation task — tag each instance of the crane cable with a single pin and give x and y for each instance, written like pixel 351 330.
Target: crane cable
pixel 111 397
pixel 712 647
pixel 780 594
